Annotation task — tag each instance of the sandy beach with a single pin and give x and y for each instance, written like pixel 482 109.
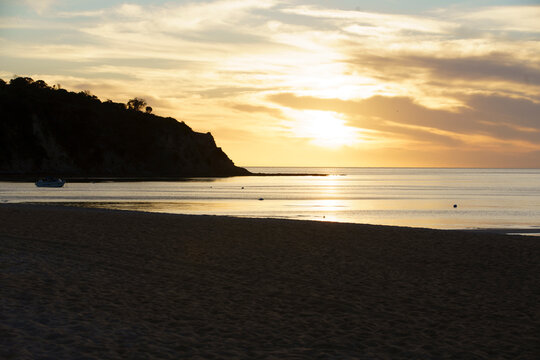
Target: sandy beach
pixel 99 284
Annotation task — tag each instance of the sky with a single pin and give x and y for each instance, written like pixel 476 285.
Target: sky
pixel 304 83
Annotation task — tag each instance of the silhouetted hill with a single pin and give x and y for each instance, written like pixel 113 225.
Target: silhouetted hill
pixel 50 131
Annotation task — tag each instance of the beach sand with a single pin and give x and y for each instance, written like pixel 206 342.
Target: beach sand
pixel 98 284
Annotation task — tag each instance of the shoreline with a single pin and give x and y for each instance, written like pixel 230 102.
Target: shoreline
pixel 519 231
pixel 100 283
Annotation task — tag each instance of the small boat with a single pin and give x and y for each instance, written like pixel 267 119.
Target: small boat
pixel 50 182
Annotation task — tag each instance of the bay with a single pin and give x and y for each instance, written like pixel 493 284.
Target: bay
pixel 420 197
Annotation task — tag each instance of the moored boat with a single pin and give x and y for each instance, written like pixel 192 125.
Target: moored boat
pixel 50 182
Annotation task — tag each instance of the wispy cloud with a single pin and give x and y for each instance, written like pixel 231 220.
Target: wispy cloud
pixel 78 14
pixel 507 18
pixel 40 6
pixel 367 23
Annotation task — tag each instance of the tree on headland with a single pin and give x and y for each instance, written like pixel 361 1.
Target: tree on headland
pixel 148 109
pixel 88 94
pixel 136 104
pixel 21 81
pixel 41 84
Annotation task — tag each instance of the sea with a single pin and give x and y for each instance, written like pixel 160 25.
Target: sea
pixel 507 200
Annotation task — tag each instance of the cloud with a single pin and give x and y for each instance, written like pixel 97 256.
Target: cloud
pixel 226 92
pixel 512 121
pixel 191 16
pixel 79 14
pixel 489 67
pixel 516 112
pixel 507 18
pixel 40 6
pixel 257 109
pixel 367 22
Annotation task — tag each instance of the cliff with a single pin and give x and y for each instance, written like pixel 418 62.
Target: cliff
pixel 50 131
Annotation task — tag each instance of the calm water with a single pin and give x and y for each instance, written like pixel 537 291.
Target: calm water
pixel 485 198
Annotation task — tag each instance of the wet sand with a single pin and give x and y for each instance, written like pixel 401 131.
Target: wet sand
pixel 97 284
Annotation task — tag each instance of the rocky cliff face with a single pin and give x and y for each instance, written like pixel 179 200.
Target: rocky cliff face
pixel 52 131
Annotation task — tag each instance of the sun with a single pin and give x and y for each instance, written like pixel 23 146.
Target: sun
pixel 324 128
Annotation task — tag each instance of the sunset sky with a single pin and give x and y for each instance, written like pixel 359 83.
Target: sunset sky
pixel 304 83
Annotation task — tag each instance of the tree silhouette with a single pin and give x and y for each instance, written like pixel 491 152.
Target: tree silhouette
pixel 21 82
pixel 41 84
pixel 148 109
pixel 136 104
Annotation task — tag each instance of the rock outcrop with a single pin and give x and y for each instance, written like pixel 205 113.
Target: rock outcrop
pixel 46 130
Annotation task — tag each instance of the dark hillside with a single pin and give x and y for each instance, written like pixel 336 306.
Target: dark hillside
pixel 49 131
